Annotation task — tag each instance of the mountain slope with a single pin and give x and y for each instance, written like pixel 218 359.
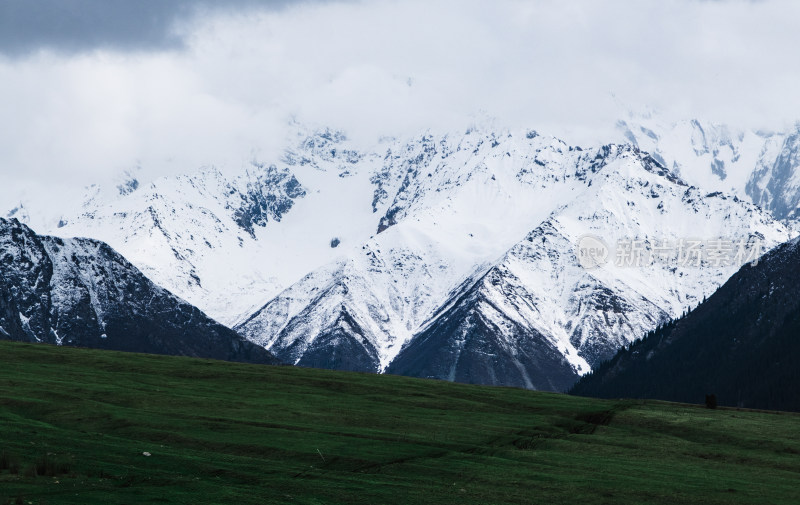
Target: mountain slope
pixel 443 197
pixel 227 238
pixel 756 165
pixel 775 184
pixel 540 293
pixel 475 340
pixel 742 344
pixel 80 292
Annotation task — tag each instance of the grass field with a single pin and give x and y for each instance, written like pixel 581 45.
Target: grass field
pixel 75 424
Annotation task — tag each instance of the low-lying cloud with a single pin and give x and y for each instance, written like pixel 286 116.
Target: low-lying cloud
pixel 174 85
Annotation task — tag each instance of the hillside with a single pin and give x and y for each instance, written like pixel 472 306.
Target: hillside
pixel 80 292
pixel 104 427
pixel 741 345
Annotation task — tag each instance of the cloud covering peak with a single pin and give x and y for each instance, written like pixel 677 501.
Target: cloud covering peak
pixel 90 87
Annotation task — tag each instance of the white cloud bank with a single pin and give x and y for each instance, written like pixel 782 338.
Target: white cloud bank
pixel 389 68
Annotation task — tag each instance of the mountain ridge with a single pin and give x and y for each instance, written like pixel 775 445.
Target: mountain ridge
pixel 624 172
pixel 80 292
pixel 740 345
pixel 339 255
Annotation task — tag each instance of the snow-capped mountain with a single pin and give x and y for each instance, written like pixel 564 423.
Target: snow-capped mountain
pixel 441 255
pixel 227 239
pixel 760 166
pixel 531 316
pixel 80 292
pixel 445 207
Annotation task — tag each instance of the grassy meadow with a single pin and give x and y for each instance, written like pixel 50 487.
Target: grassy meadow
pixel 81 426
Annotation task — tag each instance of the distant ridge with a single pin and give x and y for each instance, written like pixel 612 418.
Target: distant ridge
pixel 80 292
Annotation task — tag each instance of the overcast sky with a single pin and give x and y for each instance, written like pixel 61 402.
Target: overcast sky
pixel 92 87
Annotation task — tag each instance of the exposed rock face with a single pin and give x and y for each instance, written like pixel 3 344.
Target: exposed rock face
pixel 268 195
pixel 775 185
pixel 475 341
pixel 759 166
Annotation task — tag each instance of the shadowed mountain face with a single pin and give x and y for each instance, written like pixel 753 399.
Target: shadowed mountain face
pixel 742 344
pixel 475 341
pixel 80 292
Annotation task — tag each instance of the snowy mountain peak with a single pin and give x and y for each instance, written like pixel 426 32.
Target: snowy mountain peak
pixel 756 165
pixel 445 284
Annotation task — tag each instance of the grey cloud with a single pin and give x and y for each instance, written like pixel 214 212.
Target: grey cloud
pixel 73 26
pixel 570 69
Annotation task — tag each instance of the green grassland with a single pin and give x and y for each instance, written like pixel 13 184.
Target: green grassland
pixel 75 424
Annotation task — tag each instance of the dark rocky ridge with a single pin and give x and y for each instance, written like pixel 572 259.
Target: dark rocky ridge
pixel 269 195
pixel 80 292
pixel 463 344
pixel 742 344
